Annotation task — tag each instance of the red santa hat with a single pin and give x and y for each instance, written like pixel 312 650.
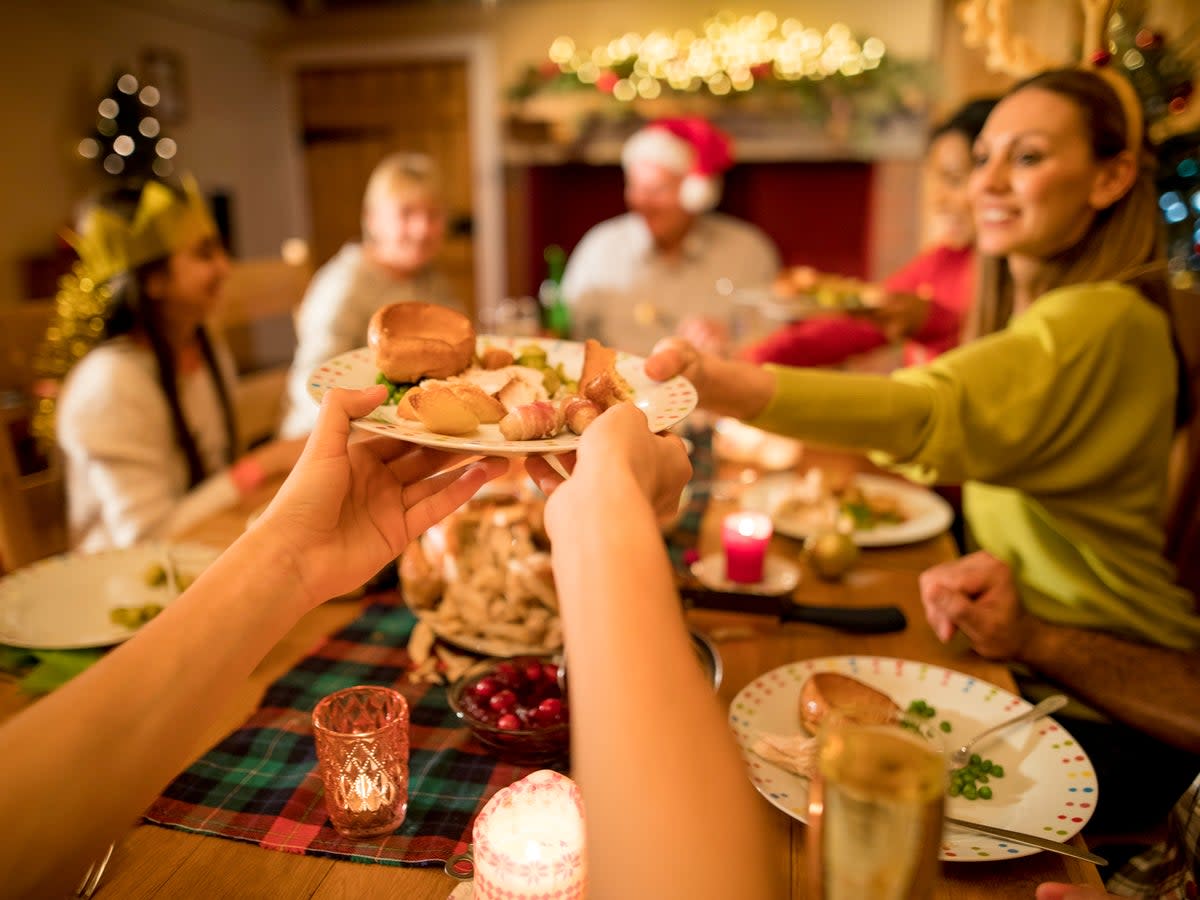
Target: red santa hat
pixel 694 148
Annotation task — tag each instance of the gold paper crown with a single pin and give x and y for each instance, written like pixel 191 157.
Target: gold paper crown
pixel 108 244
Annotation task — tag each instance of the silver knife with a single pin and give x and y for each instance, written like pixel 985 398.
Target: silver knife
pixel 1030 840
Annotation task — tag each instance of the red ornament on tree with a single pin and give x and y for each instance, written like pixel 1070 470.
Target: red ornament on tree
pixel 1100 58
pixel 606 81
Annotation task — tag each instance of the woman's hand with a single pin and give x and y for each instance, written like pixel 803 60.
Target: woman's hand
pixel 976 595
pixel 350 507
pixel 725 386
pixel 901 314
pixel 620 438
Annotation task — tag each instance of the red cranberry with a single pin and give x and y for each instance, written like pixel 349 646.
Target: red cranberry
pixel 533 672
pixel 485 687
pixel 551 706
pixel 508 722
pixel 550 672
pixel 503 700
pixel 506 673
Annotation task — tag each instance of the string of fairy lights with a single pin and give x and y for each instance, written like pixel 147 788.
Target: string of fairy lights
pixel 729 55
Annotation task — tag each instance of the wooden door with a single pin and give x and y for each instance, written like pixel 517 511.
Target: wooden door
pixel 350 117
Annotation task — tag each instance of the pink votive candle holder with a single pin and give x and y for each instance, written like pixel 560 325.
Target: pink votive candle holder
pixel 745 537
pixel 362 753
pixel 529 841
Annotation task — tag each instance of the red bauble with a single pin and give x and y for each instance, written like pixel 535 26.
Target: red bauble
pixel 606 81
pixel 761 70
pixel 1100 58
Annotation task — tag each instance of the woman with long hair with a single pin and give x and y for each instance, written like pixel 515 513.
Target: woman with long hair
pixel 1059 417
pixel 144 418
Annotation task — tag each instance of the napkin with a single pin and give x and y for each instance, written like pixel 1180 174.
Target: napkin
pixel 42 671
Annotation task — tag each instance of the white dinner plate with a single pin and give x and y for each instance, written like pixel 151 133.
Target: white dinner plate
pixel 1048 789
pixel 664 403
pixel 926 514
pixel 63 602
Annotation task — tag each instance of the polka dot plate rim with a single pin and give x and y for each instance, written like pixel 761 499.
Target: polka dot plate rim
pixel 1049 788
pixel 665 403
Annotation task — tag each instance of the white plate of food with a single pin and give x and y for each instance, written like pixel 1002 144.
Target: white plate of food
pixel 664 403
pixel 877 510
pixel 1048 787
pixel 77 600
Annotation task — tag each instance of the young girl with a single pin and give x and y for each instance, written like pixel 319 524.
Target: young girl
pixel 926 301
pixel 144 418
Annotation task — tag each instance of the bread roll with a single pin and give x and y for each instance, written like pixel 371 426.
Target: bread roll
pixel 412 341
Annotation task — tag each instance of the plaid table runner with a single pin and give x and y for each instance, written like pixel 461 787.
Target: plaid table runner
pixel 260 784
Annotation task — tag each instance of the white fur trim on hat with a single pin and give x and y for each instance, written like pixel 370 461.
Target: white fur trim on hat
pixel 700 193
pixel 657 145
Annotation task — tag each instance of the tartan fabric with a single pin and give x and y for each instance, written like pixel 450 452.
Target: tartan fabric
pixel 260 784
pixel 1171 870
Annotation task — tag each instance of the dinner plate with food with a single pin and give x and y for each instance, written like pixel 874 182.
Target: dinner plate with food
pixel 877 511
pixel 77 600
pixel 488 394
pixel 1032 778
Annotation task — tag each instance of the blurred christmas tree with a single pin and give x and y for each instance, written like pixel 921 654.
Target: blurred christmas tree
pixel 127 142
pixel 1163 72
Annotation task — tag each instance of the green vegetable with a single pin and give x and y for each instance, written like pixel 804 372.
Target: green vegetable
pixel 945 726
pixel 156 576
pixel 396 390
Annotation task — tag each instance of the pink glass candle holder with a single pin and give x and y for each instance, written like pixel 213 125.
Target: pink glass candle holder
pixel 362 753
pixel 529 841
pixel 745 537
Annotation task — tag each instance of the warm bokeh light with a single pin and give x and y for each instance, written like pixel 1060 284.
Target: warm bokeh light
pixel 727 55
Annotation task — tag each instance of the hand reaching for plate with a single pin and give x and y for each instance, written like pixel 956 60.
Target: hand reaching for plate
pixel 621 437
pixel 724 386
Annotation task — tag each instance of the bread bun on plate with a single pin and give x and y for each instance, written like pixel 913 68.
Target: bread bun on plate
pixel 412 341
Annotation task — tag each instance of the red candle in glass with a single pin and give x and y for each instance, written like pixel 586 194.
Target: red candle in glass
pixel 745 537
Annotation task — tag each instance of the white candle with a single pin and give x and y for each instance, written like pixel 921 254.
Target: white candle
pixel 529 841
pixel 365 795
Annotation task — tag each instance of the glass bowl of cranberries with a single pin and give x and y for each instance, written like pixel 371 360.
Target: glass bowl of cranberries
pixel 515 708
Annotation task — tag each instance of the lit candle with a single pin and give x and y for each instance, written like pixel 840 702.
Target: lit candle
pixel 528 841
pixel 745 537
pixel 365 795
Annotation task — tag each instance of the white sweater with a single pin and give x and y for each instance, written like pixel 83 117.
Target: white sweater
pixel 127 479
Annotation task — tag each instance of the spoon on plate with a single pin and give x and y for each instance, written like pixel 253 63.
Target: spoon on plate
pixel 1051 704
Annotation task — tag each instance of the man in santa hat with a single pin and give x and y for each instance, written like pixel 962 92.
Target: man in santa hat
pixel 667 266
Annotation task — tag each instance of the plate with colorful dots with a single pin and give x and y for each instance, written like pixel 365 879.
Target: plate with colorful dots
pixel 665 403
pixel 1048 787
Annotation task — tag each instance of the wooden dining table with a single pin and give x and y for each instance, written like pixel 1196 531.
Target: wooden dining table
pixel 153 861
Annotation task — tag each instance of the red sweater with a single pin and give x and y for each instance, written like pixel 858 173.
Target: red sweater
pixel 944 274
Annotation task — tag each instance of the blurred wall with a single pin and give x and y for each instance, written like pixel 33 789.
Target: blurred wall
pixel 59 59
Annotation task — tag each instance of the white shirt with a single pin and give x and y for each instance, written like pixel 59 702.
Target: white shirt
pixel 127 478
pixel 626 294
pixel 333 318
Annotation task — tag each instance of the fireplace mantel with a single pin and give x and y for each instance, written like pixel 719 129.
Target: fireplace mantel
pixel 757 139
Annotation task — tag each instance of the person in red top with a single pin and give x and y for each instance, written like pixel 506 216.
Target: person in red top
pixel 927 300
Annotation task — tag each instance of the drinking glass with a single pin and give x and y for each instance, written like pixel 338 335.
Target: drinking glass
pixel 362 752
pixel 875 811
